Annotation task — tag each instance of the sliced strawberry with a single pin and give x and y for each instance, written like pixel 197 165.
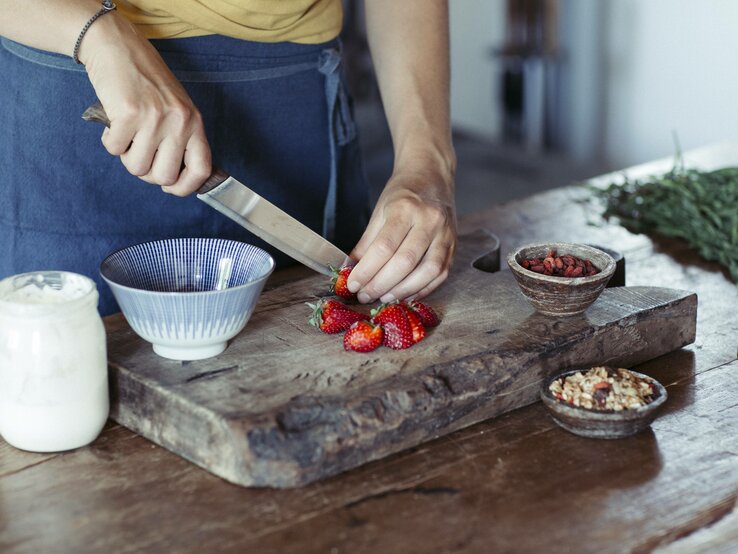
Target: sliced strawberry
pixel 415 324
pixel 398 333
pixel 339 282
pixel 427 315
pixel 363 337
pixel 331 316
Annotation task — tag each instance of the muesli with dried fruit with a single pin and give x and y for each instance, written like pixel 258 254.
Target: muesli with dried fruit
pixel 603 388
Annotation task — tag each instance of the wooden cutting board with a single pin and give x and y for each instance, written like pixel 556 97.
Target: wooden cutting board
pixel 285 405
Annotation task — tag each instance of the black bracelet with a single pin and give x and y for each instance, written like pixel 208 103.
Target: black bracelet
pixel 107 7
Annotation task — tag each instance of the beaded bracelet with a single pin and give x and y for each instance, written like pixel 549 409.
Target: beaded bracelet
pixel 107 7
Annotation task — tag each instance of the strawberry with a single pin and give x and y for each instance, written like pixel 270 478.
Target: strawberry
pixel 339 282
pixel 415 324
pixel 330 316
pixel 398 333
pixel 363 336
pixel 427 315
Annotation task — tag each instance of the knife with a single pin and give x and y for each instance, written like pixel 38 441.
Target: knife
pixel 250 210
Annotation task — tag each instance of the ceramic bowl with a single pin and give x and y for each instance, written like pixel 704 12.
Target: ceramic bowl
pixel 187 296
pixel 601 424
pixel 561 296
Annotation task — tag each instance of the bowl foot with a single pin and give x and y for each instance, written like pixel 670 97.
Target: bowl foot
pixel 185 353
pixel 604 432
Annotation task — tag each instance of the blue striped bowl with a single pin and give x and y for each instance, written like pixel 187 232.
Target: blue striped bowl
pixel 187 296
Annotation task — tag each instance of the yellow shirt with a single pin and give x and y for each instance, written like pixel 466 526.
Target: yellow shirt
pixel 304 21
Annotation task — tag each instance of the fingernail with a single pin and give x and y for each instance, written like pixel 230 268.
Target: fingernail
pixel 387 298
pixel 353 286
pixel 362 297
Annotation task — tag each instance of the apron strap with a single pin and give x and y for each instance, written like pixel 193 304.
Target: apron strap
pixel 341 129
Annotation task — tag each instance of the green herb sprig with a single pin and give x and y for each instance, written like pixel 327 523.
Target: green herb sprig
pixel 698 206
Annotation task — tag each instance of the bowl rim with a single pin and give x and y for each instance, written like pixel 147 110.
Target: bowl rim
pixel 551 401
pixel 605 273
pixel 189 294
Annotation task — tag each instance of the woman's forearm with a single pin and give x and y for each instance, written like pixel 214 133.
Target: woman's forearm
pixel 51 26
pixel 408 246
pixel 409 44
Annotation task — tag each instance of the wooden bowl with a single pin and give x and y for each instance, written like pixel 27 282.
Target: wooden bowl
pixel 618 278
pixel 561 296
pixel 603 424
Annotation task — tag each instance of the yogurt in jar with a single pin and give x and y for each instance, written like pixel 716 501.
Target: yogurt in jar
pixel 53 362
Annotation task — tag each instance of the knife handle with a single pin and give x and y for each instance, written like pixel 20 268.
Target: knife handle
pixel 96 113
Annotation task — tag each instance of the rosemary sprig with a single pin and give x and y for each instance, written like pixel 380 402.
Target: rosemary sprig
pixel 698 206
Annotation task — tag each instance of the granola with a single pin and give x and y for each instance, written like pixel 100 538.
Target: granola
pixel 603 388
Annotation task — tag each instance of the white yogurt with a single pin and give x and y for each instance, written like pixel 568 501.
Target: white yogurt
pixel 53 362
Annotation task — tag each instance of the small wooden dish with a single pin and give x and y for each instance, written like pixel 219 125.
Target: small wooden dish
pixel 603 424
pixel 561 296
pixel 618 278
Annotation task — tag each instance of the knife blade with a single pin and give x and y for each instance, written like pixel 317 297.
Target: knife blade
pixel 252 211
pixel 238 202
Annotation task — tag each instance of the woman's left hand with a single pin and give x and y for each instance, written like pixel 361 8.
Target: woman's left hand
pixel 409 243
pixel 408 246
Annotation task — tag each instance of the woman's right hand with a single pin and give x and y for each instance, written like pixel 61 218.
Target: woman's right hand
pixel 154 126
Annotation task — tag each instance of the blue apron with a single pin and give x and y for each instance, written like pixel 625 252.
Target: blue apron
pixel 277 117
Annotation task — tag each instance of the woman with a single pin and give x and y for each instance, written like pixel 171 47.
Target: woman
pixel 253 86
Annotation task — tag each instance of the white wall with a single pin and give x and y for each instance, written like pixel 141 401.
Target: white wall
pixel 580 114
pixel 671 65
pixel 477 26
pixel 634 72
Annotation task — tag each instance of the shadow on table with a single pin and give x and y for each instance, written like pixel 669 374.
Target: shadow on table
pixel 676 371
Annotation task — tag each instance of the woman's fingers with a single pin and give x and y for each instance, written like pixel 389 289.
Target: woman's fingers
pixel 416 268
pixel 381 249
pixel 118 140
pixel 167 164
pixel 433 268
pixel 433 285
pixel 197 168
pixel 408 247
pixel 158 155
pixel 139 156
pixel 399 265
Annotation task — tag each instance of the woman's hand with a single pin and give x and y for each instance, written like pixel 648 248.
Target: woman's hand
pixel 408 246
pixel 154 127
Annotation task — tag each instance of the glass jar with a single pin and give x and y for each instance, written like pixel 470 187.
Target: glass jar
pixel 53 362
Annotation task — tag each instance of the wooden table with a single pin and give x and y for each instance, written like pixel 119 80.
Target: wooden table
pixel 517 483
